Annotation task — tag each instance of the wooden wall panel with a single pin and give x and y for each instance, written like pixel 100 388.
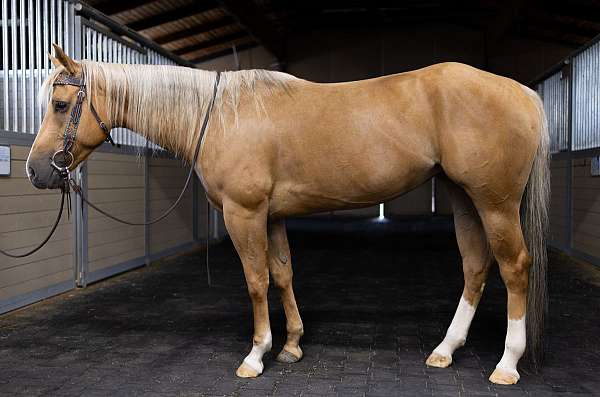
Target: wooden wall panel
pixel 115 184
pixel 586 209
pixel 26 215
pixel 166 178
pixel 559 221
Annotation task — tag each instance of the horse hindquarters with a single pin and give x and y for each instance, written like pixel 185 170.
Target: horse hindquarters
pixel 496 188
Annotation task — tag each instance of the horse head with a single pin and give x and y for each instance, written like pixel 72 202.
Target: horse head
pixel 71 128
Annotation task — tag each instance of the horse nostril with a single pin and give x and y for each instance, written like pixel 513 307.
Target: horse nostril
pixel 31 172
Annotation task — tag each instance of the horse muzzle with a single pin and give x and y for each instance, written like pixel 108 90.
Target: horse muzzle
pixel 43 175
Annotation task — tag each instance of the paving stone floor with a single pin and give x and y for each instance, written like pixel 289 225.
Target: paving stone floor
pixel 374 305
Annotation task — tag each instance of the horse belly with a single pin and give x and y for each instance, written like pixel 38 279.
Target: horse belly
pixel 349 182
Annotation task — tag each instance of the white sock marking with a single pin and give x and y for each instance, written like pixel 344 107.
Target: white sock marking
pixel 457 332
pixel 254 359
pixel 514 346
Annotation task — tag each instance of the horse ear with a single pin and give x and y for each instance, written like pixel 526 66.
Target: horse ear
pixel 63 59
pixel 54 61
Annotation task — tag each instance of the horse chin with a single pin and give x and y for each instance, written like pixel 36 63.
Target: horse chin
pixel 56 183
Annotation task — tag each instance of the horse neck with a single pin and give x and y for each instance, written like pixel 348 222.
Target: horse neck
pixel 171 120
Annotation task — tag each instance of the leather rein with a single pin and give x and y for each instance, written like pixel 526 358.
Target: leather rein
pixel 63 159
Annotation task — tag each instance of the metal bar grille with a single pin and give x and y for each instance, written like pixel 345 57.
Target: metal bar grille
pixel 29 27
pixel 586 98
pixel 555 94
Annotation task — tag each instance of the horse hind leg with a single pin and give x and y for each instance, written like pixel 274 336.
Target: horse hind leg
pixel 473 246
pixel 280 266
pixel 507 243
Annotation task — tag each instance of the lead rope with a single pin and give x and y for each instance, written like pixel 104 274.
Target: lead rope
pixel 54 227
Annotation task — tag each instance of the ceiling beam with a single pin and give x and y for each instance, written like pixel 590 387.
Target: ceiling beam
pixel 227 51
pixel 549 35
pixel 195 30
pixel 211 43
pixel 111 7
pixel 561 25
pixel 173 15
pixel 580 12
pixel 261 28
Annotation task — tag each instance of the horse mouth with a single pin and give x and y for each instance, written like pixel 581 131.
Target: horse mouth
pixel 52 181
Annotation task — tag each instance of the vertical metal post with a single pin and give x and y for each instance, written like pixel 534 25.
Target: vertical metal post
pixel 38 61
pixel 147 205
pixel 59 23
pixel 195 233
pixel 569 176
pixel 73 41
pixel 45 46
pixel 80 229
pixel 208 240
pixel 23 66
pixel 5 75
pixel 14 98
pixel 31 66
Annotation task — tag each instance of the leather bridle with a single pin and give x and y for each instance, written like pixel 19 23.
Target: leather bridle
pixel 65 155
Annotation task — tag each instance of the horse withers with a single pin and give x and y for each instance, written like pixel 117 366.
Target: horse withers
pixel 279 146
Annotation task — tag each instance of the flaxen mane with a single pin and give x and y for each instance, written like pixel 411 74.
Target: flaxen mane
pixel 168 102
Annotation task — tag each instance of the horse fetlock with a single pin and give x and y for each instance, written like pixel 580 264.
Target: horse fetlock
pixel 455 340
pixel 295 330
pixel 263 342
pixel 252 366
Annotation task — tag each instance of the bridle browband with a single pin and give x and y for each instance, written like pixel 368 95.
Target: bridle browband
pixel 70 133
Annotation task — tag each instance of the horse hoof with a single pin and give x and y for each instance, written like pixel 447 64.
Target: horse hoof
pixel 288 357
pixel 246 371
pixel 438 361
pixel 504 377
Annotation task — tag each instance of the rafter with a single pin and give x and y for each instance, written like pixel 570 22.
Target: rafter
pixel 111 7
pixel 173 15
pixel 260 28
pixel 195 30
pixel 224 52
pixel 211 43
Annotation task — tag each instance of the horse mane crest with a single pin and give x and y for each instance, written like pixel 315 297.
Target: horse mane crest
pixel 167 103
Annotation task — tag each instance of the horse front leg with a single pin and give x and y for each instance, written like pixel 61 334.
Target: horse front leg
pixel 280 265
pixel 248 230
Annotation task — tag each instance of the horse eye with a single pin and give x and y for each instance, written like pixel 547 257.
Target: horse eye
pixel 60 106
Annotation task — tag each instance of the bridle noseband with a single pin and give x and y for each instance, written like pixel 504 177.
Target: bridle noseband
pixel 70 133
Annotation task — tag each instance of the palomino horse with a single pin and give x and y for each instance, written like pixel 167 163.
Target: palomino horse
pixel 279 146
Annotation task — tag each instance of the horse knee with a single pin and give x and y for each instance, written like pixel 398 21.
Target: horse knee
pixel 257 288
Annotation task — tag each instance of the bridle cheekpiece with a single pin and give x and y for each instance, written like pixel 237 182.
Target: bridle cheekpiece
pixel 65 156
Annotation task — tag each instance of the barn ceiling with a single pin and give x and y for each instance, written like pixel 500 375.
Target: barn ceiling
pixel 198 30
